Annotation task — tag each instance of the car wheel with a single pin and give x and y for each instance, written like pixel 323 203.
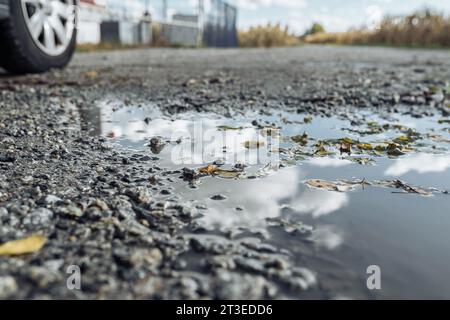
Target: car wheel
pixel 38 35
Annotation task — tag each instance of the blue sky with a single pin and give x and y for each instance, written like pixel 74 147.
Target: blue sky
pixel 335 15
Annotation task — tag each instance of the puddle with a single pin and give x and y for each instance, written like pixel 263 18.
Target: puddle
pixel 249 173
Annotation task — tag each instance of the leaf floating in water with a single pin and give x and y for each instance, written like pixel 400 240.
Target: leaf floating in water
pixel 443 121
pixel 226 128
pixel 214 170
pixel 22 246
pixel 340 186
pixel 438 138
pixel 253 144
pixel 344 186
pixel 403 139
pixel 308 119
pixel 209 169
pixel 322 152
pixel 398 184
pixel 269 131
pixel 347 140
pixel 394 150
pixel 361 160
pixel 345 148
pixel 228 174
pixel 365 146
pixel 301 139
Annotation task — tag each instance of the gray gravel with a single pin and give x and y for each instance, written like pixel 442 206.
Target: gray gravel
pixel 99 207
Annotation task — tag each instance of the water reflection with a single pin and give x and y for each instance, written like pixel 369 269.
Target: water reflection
pixel 406 235
pixel 420 163
pixel 327 236
pixel 318 202
pixel 259 199
pixel 194 139
pixel 329 162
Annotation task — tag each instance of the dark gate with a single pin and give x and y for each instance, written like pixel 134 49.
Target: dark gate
pixel 220 25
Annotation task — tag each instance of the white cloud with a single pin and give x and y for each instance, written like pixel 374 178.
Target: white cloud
pixel 374 15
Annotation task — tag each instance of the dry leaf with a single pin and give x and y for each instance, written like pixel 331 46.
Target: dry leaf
pixel 365 146
pixel 321 151
pixel 301 139
pixel 91 74
pixel 22 246
pixel 308 119
pixel 398 184
pixel 228 174
pixel 437 138
pixel 210 169
pixel 215 171
pixel 345 148
pixel 340 186
pixel 226 128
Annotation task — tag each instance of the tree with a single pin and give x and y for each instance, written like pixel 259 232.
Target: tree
pixel 315 28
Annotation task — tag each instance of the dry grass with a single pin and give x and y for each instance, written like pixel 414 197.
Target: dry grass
pixel 267 36
pixel 422 29
pixel 106 46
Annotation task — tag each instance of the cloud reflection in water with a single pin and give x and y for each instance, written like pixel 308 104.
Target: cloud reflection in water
pixel 420 163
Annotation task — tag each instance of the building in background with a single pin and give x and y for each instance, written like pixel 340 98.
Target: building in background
pixel 90 17
pixel 176 22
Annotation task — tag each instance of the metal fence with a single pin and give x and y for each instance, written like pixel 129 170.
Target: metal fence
pixel 219 29
pixel 195 22
pixel 216 19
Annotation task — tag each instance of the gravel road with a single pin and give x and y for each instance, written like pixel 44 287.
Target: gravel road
pixel 98 207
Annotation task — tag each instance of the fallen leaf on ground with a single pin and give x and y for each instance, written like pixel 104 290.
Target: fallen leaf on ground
pixel 22 246
pixel 91 74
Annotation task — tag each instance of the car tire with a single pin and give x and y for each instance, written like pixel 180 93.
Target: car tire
pixel 20 53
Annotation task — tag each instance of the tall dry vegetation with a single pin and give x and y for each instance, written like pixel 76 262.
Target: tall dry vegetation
pixel 267 36
pixel 422 29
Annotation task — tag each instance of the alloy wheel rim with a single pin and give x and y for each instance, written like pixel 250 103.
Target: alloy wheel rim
pixel 51 23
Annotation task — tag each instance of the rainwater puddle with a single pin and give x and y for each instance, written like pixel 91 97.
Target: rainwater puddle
pixel 339 193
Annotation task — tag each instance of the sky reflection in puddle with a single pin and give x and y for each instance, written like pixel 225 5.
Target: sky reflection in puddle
pixel 406 235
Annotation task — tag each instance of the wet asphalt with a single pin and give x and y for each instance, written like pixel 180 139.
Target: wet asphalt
pixel 98 206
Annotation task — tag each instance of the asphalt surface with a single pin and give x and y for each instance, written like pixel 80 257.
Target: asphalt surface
pixel 97 206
